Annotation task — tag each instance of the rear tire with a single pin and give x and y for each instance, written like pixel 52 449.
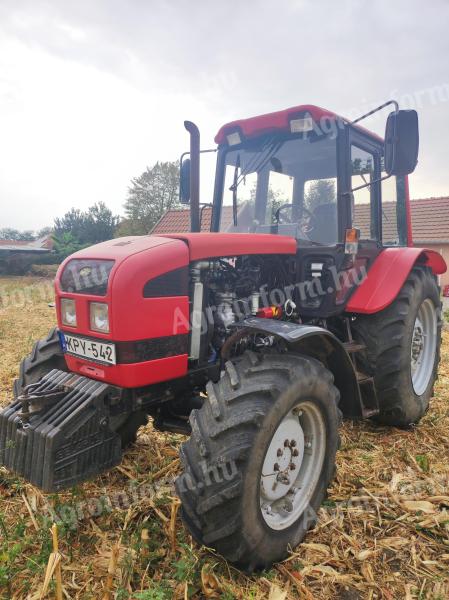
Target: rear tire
pixel 225 503
pixel 47 355
pixel 403 349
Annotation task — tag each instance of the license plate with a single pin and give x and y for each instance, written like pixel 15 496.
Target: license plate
pixel 91 349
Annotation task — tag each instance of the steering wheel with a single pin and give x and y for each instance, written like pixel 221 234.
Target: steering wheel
pixel 306 220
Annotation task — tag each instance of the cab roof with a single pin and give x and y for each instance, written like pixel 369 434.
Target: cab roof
pixel 279 121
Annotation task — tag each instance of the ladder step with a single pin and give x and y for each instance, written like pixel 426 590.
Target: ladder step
pixel 352 347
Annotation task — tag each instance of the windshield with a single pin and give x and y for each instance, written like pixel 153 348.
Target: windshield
pixel 288 187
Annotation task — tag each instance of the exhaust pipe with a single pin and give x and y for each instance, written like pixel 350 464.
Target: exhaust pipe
pixel 194 132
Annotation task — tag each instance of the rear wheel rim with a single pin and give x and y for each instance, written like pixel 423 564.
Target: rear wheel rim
pixel 423 347
pixel 292 466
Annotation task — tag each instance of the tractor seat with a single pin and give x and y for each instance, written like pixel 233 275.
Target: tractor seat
pixel 325 227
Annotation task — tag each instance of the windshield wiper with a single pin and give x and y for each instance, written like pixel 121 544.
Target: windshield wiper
pixel 255 165
pixel 233 188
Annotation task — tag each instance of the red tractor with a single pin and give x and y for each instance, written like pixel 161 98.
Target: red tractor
pixel 304 303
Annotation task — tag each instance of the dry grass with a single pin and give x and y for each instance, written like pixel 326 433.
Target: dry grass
pixel 383 533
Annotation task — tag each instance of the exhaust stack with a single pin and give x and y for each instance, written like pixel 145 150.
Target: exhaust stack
pixel 194 132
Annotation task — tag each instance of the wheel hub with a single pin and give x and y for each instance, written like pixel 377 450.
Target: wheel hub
pixel 292 465
pixel 283 459
pixel 423 346
pixel 417 342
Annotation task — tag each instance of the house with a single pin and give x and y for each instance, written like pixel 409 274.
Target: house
pixel 430 223
pixel 17 256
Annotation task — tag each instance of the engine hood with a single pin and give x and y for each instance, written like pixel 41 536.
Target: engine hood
pixel 205 245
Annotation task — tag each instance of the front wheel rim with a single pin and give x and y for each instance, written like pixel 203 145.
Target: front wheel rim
pixel 292 465
pixel 423 347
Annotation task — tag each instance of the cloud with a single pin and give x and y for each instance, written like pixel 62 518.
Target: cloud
pixel 92 92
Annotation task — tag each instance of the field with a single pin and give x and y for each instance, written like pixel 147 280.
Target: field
pixel 383 532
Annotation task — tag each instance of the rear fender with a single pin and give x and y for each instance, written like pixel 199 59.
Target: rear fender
pixel 318 343
pixel 387 275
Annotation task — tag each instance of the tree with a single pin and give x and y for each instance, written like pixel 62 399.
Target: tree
pixel 7 233
pixel 95 225
pixel 321 191
pixel 73 222
pixel 65 244
pixel 100 223
pixel 44 232
pixel 150 195
pixel 77 229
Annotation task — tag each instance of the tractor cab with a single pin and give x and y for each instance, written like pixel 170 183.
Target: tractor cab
pixel 309 174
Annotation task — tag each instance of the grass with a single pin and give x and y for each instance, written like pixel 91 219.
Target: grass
pixel 383 532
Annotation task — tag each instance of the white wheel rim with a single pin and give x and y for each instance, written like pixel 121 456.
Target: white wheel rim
pixel 292 465
pixel 423 347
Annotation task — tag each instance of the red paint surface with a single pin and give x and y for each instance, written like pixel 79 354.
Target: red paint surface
pixel 279 121
pixel 387 276
pixel 131 316
pixel 205 245
pixel 131 375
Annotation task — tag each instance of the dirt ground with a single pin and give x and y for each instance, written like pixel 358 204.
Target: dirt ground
pixel 382 533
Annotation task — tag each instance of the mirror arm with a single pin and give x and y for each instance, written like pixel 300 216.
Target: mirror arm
pixel 360 187
pixel 371 112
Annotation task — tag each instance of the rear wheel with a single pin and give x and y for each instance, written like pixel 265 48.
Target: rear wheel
pixel 47 355
pixel 260 457
pixel 403 349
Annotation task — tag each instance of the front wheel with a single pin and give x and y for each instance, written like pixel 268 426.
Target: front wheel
pixel 260 458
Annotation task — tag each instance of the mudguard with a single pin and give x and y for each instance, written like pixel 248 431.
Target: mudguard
pixel 387 276
pixel 318 343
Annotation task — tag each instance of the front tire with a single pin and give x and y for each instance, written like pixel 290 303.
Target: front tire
pixel 403 349
pixel 240 493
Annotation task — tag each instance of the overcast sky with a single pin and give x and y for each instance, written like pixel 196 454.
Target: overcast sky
pixel 91 92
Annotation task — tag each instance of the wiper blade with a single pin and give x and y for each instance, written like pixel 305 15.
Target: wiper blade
pixel 233 188
pixel 259 161
pixel 256 165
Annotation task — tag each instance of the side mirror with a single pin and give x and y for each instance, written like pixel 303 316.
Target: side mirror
pixel 184 182
pixel 401 142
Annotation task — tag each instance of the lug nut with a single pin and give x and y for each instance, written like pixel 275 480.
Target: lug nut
pixel 292 443
pixel 276 466
pixel 286 444
pixel 279 452
pixel 295 452
pixel 292 466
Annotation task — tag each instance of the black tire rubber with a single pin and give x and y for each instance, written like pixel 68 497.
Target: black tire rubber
pixel 231 434
pixel 129 428
pixel 47 355
pixel 387 336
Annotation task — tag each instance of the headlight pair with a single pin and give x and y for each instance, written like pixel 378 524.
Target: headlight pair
pixel 98 315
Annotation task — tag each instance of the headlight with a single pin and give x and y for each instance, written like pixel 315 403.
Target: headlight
pixel 99 317
pixel 68 312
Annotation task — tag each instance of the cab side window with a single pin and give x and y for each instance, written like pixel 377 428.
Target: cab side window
pixel 363 172
pixel 394 214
